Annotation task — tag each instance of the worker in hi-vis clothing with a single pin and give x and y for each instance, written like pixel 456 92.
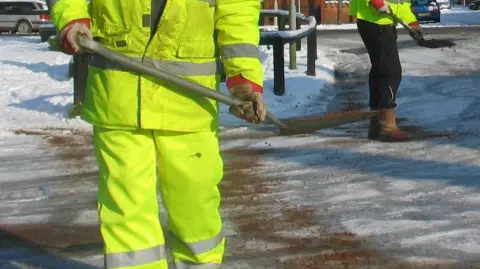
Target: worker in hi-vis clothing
pixel 378 32
pixel 140 122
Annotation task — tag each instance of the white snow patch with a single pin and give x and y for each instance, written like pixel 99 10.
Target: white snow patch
pixel 300 89
pixel 459 239
pixel 364 226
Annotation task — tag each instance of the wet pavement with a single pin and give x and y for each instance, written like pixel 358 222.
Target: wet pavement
pixel 264 229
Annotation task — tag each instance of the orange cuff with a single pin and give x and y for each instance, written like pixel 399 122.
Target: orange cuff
pixel 415 23
pixel 377 3
pixel 240 80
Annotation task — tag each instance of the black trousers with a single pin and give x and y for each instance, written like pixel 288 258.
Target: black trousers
pixel 386 72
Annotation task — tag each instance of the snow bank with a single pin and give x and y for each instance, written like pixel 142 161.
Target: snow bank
pixel 36 91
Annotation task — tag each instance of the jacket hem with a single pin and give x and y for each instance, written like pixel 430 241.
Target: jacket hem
pixel 132 128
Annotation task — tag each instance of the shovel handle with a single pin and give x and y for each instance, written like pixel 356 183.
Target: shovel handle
pixel 141 68
pixel 412 32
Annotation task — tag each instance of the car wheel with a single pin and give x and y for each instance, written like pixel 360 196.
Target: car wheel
pixel 24 27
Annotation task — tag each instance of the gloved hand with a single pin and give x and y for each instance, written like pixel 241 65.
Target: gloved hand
pixel 253 110
pixel 417 35
pixel 381 6
pixel 69 36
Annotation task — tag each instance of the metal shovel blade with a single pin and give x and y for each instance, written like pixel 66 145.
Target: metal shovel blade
pixel 435 43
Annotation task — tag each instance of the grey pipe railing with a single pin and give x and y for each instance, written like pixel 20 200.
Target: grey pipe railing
pixel 278 39
pixel 290 35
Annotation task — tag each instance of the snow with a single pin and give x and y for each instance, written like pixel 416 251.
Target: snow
pixel 36 90
pixel 418 200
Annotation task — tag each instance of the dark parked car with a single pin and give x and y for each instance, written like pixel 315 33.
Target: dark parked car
pixel 426 10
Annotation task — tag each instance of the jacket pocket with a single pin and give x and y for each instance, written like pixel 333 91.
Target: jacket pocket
pixel 113 17
pixel 117 38
pixel 113 20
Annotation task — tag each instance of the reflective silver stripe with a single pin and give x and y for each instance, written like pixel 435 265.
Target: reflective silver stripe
pixel 189 265
pixel 391 94
pixel 239 50
pixel 135 258
pixel 50 3
pixel 211 3
pixel 187 68
pixel 173 67
pixel 203 246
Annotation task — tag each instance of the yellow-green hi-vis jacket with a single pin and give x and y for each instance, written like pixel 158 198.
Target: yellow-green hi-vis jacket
pixel 363 10
pixel 192 39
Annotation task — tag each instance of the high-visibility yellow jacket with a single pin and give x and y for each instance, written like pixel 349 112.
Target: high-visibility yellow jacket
pixel 191 40
pixel 363 10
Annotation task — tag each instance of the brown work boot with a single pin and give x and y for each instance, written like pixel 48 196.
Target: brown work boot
pixel 384 127
pixel 374 128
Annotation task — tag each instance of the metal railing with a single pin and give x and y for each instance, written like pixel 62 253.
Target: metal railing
pixel 279 38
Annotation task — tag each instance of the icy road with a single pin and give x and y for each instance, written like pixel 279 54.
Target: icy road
pixel 329 200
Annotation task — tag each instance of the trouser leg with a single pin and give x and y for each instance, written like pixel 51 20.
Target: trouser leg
pixel 127 201
pixel 191 167
pixel 384 79
pixel 386 71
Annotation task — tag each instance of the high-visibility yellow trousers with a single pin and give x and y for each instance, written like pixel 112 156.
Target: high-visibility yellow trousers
pixel 190 168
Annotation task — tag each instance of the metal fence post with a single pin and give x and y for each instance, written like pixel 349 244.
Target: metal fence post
pixel 275 18
pixel 281 23
pixel 293 26
pixel 311 53
pixel 278 68
pixel 261 20
pixel 299 41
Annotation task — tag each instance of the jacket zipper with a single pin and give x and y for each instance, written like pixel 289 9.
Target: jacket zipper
pixel 157 7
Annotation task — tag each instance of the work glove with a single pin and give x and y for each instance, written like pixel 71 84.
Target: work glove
pixel 69 36
pixel 417 31
pixel 381 6
pixel 253 109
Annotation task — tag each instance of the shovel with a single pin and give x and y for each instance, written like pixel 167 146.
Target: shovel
pixel 422 42
pixel 303 126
